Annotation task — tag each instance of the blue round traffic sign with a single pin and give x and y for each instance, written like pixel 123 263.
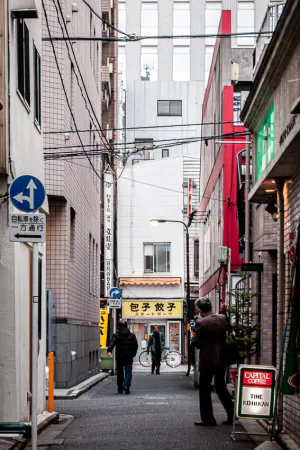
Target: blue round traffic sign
pixel 27 193
pixel 115 292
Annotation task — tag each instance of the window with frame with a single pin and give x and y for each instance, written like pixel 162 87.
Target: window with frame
pixel 245 23
pixel 23 60
pixel 37 87
pixel 149 22
pixel 181 21
pixel 165 153
pixel 157 258
pixel 196 258
pixel 149 57
pixel 169 107
pixel 181 63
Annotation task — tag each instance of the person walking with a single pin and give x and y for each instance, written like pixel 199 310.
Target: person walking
pixel 210 338
pixel 155 344
pixel 126 349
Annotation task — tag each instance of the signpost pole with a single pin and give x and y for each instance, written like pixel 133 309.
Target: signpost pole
pixel 114 330
pixel 34 345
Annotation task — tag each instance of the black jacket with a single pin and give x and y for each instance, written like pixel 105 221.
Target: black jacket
pixel 152 343
pixel 126 345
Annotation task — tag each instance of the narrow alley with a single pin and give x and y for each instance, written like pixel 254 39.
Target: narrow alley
pixel 159 413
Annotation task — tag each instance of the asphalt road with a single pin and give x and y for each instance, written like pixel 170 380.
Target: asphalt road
pixel 159 414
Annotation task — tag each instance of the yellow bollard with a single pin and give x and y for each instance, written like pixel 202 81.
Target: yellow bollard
pixel 51 382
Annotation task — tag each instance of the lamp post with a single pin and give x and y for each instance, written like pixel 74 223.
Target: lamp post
pixel 187 254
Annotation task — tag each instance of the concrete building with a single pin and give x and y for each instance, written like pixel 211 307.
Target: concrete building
pixel 221 176
pixel 151 260
pixel 21 152
pixel 73 93
pixel 271 112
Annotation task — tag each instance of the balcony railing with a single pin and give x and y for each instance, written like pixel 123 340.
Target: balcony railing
pixel 269 24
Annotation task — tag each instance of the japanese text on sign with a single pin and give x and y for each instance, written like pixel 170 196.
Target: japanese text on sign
pixel 103 327
pixel 108 231
pixel 152 308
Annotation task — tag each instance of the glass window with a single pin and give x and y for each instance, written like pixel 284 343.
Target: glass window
pixel 245 23
pixel 169 107
pixel 156 258
pixel 122 17
pixel 122 60
pixel 181 63
pixel 181 22
pixel 149 22
pixel 23 61
pixel 209 50
pixel 37 87
pixel 212 20
pixel 149 68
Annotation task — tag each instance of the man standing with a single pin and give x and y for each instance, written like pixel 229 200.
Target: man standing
pixel 155 344
pixel 126 348
pixel 210 338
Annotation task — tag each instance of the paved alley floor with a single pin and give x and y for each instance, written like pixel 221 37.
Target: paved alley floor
pixel 159 414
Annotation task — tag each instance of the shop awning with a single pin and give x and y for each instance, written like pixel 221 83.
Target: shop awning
pixel 145 281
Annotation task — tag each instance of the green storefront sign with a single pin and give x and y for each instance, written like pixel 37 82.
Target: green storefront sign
pixel 265 143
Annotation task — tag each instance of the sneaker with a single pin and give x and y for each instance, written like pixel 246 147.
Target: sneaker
pixel 120 390
pixel 127 391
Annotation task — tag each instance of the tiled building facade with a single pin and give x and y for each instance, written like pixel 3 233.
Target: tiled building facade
pixel 276 184
pixel 73 185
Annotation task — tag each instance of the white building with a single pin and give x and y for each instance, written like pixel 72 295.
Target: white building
pixel 151 260
pixel 21 152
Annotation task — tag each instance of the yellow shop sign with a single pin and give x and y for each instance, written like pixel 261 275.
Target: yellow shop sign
pixel 172 309
pixel 103 327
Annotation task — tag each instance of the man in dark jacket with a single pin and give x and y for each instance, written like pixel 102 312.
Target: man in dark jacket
pixel 126 348
pixel 155 344
pixel 210 338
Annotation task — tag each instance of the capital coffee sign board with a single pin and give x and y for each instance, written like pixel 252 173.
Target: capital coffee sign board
pixel 255 392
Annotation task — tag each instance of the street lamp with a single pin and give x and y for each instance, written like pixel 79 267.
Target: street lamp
pixel 155 222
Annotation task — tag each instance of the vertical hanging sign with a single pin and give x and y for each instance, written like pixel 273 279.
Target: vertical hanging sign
pixel 108 230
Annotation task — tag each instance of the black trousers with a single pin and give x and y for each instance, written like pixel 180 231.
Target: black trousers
pixel 206 376
pixel 156 359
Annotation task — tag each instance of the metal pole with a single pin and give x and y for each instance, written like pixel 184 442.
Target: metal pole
pixel 188 295
pixel 114 331
pixel 247 206
pixel 34 345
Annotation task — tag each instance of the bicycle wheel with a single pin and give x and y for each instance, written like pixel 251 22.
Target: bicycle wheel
pixel 145 359
pixel 173 359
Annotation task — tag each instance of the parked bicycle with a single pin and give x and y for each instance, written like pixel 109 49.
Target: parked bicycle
pixel 171 357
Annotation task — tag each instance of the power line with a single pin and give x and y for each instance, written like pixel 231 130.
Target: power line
pixel 133 38
pixel 104 21
pixel 80 74
pixel 170 140
pixel 148 127
pixel 64 89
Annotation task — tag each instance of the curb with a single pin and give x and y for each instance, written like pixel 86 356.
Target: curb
pixel 75 393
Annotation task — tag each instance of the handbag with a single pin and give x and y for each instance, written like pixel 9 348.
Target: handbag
pixel 231 352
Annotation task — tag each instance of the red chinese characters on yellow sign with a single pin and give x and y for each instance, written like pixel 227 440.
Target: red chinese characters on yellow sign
pixel 152 308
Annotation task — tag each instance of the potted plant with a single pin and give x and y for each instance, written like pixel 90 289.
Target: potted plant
pixel 244 327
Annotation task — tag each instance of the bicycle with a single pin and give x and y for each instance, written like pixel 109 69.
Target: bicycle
pixel 171 357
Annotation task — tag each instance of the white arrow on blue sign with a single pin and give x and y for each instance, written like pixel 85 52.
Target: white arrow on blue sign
pixel 115 292
pixel 27 193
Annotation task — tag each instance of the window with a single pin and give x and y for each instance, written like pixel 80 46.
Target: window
pixel 37 87
pixel 121 17
pixel 245 23
pixel 149 63
pixel 181 63
pixel 212 20
pixel 181 21
pixel 165 153
pixel 149 22
pixel 72 234
pixel 169 107
pixel 23 61
pixel 196 258
pixel 156 258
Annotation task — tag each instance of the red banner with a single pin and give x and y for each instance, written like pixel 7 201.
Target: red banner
pixel 257 378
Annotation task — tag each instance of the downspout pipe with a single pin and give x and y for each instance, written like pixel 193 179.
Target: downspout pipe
pixel 281 290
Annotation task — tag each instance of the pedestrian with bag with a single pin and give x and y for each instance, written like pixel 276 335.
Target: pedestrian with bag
pixel 155 345
pixel 210 338
pixel 126 349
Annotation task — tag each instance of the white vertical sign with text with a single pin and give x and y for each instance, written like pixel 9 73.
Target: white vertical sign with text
pixel 108 230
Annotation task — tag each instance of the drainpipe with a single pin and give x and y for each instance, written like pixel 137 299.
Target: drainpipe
pixel 247 206
pixel 281 290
